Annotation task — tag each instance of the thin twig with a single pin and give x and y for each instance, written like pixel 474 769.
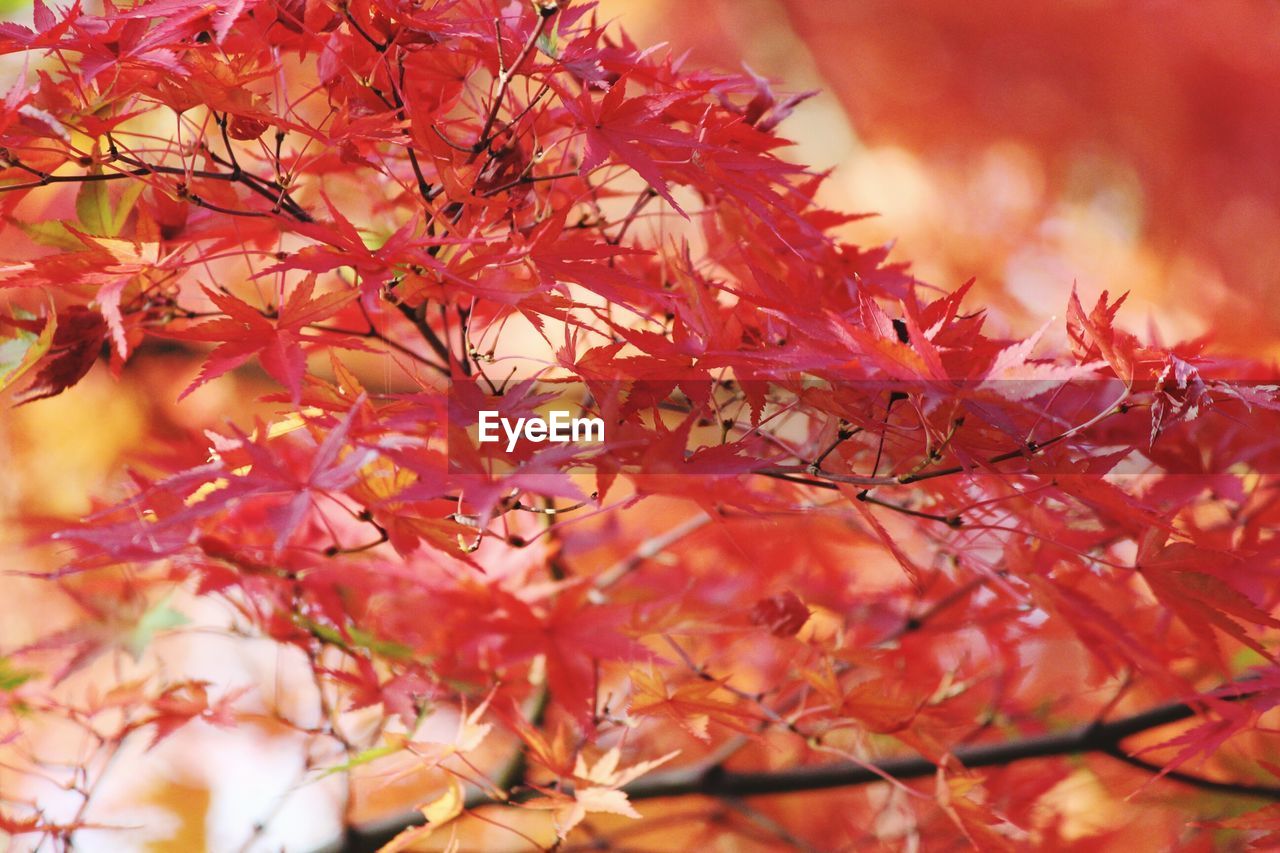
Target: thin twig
pixel 507 74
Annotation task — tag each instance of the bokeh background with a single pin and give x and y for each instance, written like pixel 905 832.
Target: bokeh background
pixel 1127 145
pixel 1121 144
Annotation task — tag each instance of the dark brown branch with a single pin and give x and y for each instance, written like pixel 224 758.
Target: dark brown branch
pixel 46 180
pixel 526 179
pixel 1238 789
pixel 429 335
pixel 272 191
pixel 396 103
pixel 208 205
pixel 716 781
pixel 949 520
pixel 842 435
pixel 260 186
pixel 424 188
pixel 832 481
pixel 380 47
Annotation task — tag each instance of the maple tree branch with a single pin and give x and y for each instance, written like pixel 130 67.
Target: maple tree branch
pixel 199 201
pixel 376 335
pixel 843 434
pixel 1271 792
pixel 526 179
pixel 424 187
pixel 647 195
pixel 831 480
pixel 514 774
pixel 918 621
pixel 769 825
pixel 380 47
pixel 717 781
pixel 261 186
pixel 226 141
pixel 46 180
pixel 273 191
pixel 949 520
pixel 647 550
pixel 420 323
pixel 397 103
pixel 507 74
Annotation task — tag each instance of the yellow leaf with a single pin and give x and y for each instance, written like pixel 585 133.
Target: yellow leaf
pixel 472 732
pixel 591 799
pixel 438 812
pixel 189 803
pixel 609 800
pixel 445 808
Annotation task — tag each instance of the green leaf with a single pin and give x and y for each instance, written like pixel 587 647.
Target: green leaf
pixel 374 240
pixel 10 678
pixel 93 206
pixel 53 234
pixel 13 351
pixel 549 44
pixel 1246 658
pixel 20 353
pixel 356 639
pixel 124 207
pixel 160 617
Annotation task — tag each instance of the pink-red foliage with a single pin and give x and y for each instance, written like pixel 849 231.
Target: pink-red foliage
pixel 838 516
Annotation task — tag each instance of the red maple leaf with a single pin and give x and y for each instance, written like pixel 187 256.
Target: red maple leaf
pixel 633 131
pixel 277 341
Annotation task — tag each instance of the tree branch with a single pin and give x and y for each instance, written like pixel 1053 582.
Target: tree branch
pixel 832 480
pixel 716 781
pixel 139 169
pixel 506 75
pixel 1235 788
pixel 429 335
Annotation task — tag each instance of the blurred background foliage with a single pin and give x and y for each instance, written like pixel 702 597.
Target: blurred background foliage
pixel 1123 144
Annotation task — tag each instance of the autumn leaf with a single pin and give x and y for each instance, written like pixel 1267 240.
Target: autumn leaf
pixel 437 813
pixel 21 352
pixel 277 341
pixel 1093 333
pixel 629 129
pixel 1202 600
pixel 182 703
pixel 75 348
pixel 693 705
pixel 784 614
pixel 600 791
